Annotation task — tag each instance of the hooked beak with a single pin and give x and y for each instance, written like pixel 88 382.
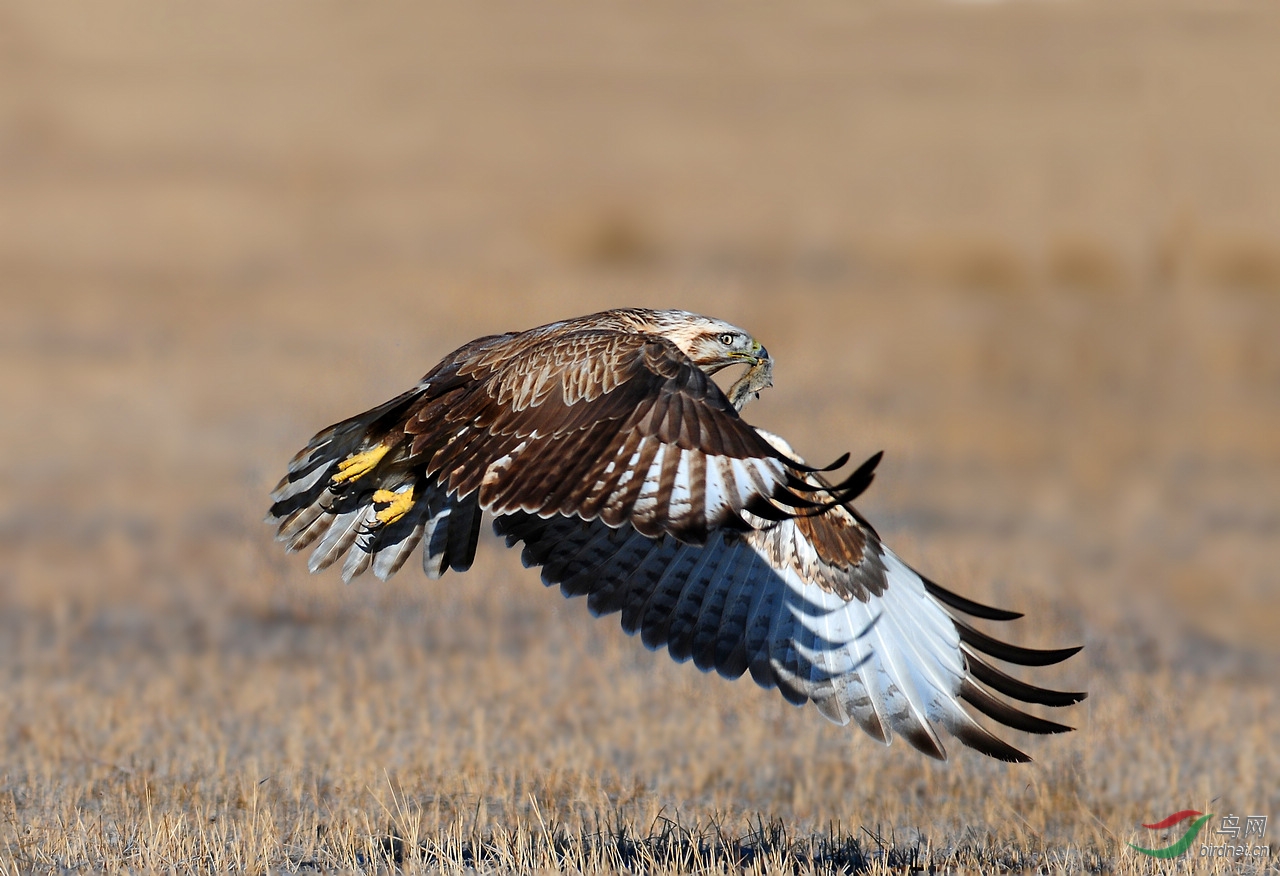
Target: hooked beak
pixel 758 355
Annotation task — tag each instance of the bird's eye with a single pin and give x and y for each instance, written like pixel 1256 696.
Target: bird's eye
pixel 727 338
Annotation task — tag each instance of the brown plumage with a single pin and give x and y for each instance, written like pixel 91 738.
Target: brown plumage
pixel 602 443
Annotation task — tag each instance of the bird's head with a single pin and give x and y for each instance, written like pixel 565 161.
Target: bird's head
pixel 712 344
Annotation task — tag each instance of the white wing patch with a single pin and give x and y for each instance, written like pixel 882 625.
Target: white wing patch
pixel 680 505
pixel 891 663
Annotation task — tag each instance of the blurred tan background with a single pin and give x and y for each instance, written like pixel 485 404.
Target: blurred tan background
pixel 1030 250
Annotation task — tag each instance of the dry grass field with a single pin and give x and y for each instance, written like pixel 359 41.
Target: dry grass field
pixel 1030 250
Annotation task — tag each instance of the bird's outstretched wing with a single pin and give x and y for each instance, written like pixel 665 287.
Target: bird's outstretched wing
pixel 593 424
pixel 814 605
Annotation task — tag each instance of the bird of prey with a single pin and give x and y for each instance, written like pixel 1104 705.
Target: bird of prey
pixel 603 445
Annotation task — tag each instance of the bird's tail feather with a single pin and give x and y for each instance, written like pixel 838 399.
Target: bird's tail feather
pixel 354 489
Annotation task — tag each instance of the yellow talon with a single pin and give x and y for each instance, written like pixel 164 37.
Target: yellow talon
pixel 359 464
pixel 398 505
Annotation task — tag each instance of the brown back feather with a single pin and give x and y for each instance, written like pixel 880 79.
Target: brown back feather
pixel 567 404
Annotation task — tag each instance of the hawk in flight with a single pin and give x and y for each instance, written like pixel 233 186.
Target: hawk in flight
pixel 604 446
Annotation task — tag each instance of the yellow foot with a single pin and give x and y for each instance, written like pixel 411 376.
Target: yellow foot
pixel 359 464
pixel 398 505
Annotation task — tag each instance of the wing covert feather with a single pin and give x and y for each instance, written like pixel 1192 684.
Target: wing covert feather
pixel 623 426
